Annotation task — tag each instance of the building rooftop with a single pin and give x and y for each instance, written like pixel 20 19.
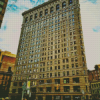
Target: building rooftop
pixel 41 5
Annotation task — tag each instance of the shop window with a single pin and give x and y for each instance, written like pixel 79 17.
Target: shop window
pixel 76 88
pixel 57 81
pixel 57 97
pixel 19 90
pixel 41 89
pixel 66 80
pixel 76 80
pixel 13 90
pixel 20 83
pixel 66 88
pixel 41 82
pixel 15 84
pixel 48 89
pixel 49 81
pixel 33 89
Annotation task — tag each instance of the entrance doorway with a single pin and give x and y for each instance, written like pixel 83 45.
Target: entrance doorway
pixel 48 97
pixel 76 97
pixel 66 97
pixel 57 97
pixel 40 97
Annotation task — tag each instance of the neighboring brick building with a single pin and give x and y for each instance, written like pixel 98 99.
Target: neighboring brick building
pixel 94 74
pixel 95 90
pixel 94 79
pixel 7 64
pixel 3 4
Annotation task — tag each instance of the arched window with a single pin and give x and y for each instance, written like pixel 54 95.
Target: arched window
pixel 57 7
pixel 64 4
pixel 46 11
pixel 35 16
pixel 31 18
pixel 51 10
pixel 40 13
pixel 26 19
pixel 70 2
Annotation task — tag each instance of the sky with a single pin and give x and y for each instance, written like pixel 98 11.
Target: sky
pixel 90 17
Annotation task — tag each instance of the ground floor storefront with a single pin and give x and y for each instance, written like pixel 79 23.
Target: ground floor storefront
pixel 50 97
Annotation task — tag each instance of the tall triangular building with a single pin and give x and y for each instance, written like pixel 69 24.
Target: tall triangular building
pixel 51 54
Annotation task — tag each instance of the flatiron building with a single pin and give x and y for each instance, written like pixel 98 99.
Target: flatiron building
pixel 51 53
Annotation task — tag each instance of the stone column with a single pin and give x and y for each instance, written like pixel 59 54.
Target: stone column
pixel 44 97
pixel 61 97
pixel 52 97
pixel 71 97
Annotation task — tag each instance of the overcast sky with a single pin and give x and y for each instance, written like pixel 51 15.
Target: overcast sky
pixel 90 15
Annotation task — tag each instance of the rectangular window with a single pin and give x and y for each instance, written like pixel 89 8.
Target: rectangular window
pixel 66 80
pixel 66 89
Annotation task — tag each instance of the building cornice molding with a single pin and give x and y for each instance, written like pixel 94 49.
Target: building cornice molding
pixel 39 6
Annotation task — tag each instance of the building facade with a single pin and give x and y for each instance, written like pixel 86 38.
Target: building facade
pixel 95 90
pixel 51 53
pixel 94 75
pixel 7 63
pixel 94 79
pixel 3 4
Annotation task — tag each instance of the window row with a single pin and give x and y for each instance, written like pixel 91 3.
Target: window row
pixel 46 11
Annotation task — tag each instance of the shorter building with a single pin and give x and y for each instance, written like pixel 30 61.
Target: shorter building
pixel 7 63
pixel 94 79
pixel 94 74
pixel 95 90
pixel 5 80
pixel 3 4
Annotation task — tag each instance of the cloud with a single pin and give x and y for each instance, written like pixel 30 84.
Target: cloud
pixel 90 15
pixel 96 29
pixel 11 26
pixel 1 39
pixel 93 1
